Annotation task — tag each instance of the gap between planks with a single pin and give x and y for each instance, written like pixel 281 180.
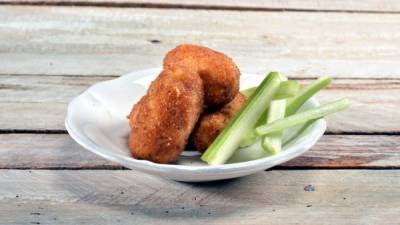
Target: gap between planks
pixel 59 151
pixel 371 6
pixel 130 197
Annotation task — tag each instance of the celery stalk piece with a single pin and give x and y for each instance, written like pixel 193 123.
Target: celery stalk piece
pixel 290 135
pixel 287 89
pixel 249 91
pixel 295 103
pixel 272 143
pixel 303 117
pixel 306 93
pixel 251 137
pixel 229 139
pixel 248 139
pixel 283 78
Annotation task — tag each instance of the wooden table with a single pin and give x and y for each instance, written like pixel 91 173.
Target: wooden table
pixel 52 50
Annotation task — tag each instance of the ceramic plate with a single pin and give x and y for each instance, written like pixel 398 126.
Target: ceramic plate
pixel 97 120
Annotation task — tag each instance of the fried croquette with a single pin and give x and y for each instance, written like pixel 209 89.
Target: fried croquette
pixel 163 119
pixel 212 123
pixel 219 73
pixel 134 112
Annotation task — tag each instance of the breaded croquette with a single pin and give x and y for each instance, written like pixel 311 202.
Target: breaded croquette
pixel 212 123
pixel 163 119
pixel 194 78
pixel 219 73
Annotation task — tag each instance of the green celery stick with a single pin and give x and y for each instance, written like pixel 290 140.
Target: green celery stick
pixel 306 93
pixel 303 117
pixel 287 89
pixel 272 143
pixel 249 91
pixel 249 139
pixel 295 103
pixel 229 139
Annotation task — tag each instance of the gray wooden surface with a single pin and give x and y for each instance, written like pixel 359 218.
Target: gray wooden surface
pixel 128 197
pixel 52 50
pixel 66 40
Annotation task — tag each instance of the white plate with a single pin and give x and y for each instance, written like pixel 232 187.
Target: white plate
pixel 96 119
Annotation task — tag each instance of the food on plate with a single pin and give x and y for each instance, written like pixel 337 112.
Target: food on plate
pixel 194 78
pixel 198 93
pixel 213 122
pixel 272 143
pixel 229 140
pixel 287 89
pixel 243 122
pixel 303 117
pixel 219 73
pixel 163 119
pixel 295 97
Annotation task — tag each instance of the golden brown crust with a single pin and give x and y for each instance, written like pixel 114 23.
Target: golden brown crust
pixel 163 119
pixel 219 73
pixel 212 123
pixel 135 111
pixel 194 77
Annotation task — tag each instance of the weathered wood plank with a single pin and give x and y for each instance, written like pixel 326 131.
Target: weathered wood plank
pixel 129 197
pixel 113 41
pixel 51 151
pixel 60 89
pixel 296 5
pixel 55 151
pixel 39 102
pixel 351 151
pixel 374 108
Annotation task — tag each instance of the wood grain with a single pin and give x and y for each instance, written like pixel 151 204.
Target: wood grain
pixel 351 151
pixel 59 151
pixel 129 197
pixel 40 102
pixel 51 151
pixel 113 41
pixel 48 55
pixel 257 5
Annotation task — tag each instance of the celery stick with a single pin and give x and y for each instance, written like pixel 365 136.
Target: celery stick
pixel 287 89
pixel 290 135
pixel 272 143
pixel 303 117
pixel 295 103
pixel 283 78
pixel 248 139
pixel 306 93
pixel 229 139
pixel 249 91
